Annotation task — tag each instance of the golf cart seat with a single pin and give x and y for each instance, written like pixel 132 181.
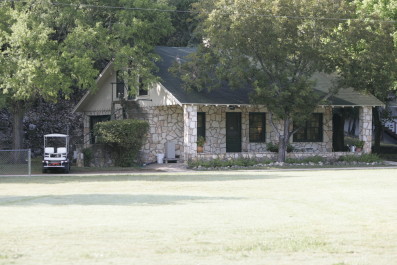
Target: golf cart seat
pixel 49 150
pixel 61 150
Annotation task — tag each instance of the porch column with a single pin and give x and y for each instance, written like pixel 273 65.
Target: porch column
pixel 86 131
pixel 328 128
pixel 189 131
pixel 365 127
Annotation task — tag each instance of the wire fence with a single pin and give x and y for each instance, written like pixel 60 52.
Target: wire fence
pixel 15 162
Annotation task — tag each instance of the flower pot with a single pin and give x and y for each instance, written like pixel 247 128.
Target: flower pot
pixel 200 149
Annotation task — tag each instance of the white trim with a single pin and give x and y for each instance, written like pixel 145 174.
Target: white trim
pixel 252 105
pixel 170 94
pixel 96 82
pixel 56 135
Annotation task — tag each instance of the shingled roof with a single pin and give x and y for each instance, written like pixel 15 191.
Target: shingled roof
pixel 226 96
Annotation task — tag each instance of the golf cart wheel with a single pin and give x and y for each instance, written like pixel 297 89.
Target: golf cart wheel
pixel 67 169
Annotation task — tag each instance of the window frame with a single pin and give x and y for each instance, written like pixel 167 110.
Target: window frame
pixel 262 135
pixel 307 128
pixel 201 130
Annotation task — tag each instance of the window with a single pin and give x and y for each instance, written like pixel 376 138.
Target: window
pixel 257 127
pixel 311 131
pixel 200 124
pixel 120 86
pixel 142 91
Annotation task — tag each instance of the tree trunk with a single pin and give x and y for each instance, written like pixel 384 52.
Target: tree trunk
pixel 18 112
pixel 283 142
pixel 378 129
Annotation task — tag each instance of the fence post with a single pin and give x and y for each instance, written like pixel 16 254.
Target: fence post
pixel 30 162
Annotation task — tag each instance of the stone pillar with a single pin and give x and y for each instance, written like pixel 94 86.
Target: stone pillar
pixel 365 128
pixel 327 127
pixel 189 131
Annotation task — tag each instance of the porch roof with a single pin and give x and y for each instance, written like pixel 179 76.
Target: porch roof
pixel 226 96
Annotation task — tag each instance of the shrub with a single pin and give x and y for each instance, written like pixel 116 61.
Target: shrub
pixel 218 163
pixel 87 153
pixel 310 159
pixel 273 147
pixel 364 158
pixel 125 137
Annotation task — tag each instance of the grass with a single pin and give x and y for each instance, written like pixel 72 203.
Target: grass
pixel 287 217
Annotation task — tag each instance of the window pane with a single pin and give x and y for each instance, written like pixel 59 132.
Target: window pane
pixel 312 131
pixel 200 124
pixel 257 127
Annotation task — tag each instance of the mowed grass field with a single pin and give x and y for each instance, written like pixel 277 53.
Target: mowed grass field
pixel 334 217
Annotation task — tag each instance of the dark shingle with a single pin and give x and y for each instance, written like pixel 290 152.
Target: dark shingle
pixel 225 95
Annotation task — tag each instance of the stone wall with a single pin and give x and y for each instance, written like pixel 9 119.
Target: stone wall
pixel 166 125
pixel 179 124
pixel 216 130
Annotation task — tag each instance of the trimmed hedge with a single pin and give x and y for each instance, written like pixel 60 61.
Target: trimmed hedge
pixel 125 137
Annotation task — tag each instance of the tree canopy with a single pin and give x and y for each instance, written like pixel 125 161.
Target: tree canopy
pixel 48 49
pixel 365 54
pixel 272 46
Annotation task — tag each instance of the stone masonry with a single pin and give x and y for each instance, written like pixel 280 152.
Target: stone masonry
pixel 216 131
pixel 165 125
pixel 365 127
pixel 179 124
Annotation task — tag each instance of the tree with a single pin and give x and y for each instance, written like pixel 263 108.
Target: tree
pixel 379 9
pixel 184 23
pixel 48 49
pixel 365 54
pixel 272 46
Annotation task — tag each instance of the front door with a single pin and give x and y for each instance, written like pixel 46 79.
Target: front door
pixel 233 132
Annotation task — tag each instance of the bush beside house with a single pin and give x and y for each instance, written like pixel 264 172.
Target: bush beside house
pixel 124 137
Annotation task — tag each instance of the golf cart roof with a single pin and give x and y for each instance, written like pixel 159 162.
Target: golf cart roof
pixel 56 135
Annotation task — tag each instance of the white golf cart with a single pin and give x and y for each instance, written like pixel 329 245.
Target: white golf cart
pixel 56 150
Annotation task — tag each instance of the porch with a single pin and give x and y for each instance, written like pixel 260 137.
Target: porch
pixel 213 122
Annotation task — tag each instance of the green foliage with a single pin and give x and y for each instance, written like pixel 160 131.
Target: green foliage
pixel 126 137
pixel 364 158
pixel 87 153
pixel 49 50
pixel 220 163
pixel 310 159
pixel 365 53
pixel 200 141
pixel 274 147
pixel 274 55
pixel 184 24
pixel 354 142
pixel 378 9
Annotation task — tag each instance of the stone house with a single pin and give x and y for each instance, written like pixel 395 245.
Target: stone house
pixel 232 127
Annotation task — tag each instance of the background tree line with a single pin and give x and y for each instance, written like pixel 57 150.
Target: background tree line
pixel 53 50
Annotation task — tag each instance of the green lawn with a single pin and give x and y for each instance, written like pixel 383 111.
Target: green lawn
pixel 284 217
